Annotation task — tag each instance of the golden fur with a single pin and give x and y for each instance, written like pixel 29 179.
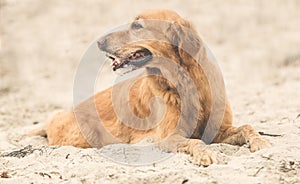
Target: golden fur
pixel 64 129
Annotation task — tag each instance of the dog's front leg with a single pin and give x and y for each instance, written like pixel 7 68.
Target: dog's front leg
pixel 245 134
pixel 200 152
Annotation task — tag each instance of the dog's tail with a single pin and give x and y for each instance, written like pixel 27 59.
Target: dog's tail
pixel 42 130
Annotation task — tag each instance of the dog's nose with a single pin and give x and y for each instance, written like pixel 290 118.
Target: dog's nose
pixel 102 43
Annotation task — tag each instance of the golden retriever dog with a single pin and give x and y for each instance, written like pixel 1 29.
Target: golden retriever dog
pixel 178 99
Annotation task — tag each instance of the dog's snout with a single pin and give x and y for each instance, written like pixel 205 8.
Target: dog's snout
pixel 102 43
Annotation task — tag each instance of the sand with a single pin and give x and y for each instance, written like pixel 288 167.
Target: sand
pixel 257 46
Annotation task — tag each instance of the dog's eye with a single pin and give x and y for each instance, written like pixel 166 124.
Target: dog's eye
pixel 136 25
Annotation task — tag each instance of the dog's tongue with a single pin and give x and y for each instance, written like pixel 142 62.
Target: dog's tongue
pixel 116 62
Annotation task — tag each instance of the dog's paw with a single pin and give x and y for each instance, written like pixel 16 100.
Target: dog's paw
pixel 205 157
pixel 258 143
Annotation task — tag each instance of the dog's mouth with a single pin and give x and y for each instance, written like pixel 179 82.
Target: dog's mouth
pixel 134 60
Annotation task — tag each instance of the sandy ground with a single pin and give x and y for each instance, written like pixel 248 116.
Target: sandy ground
pixel 256 43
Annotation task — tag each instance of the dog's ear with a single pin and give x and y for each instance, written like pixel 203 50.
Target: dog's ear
pixel 186 41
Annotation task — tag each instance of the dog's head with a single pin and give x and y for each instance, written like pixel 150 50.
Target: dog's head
pixel 152 34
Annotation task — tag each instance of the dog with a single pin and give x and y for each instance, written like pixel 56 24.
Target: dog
pixel 178 100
